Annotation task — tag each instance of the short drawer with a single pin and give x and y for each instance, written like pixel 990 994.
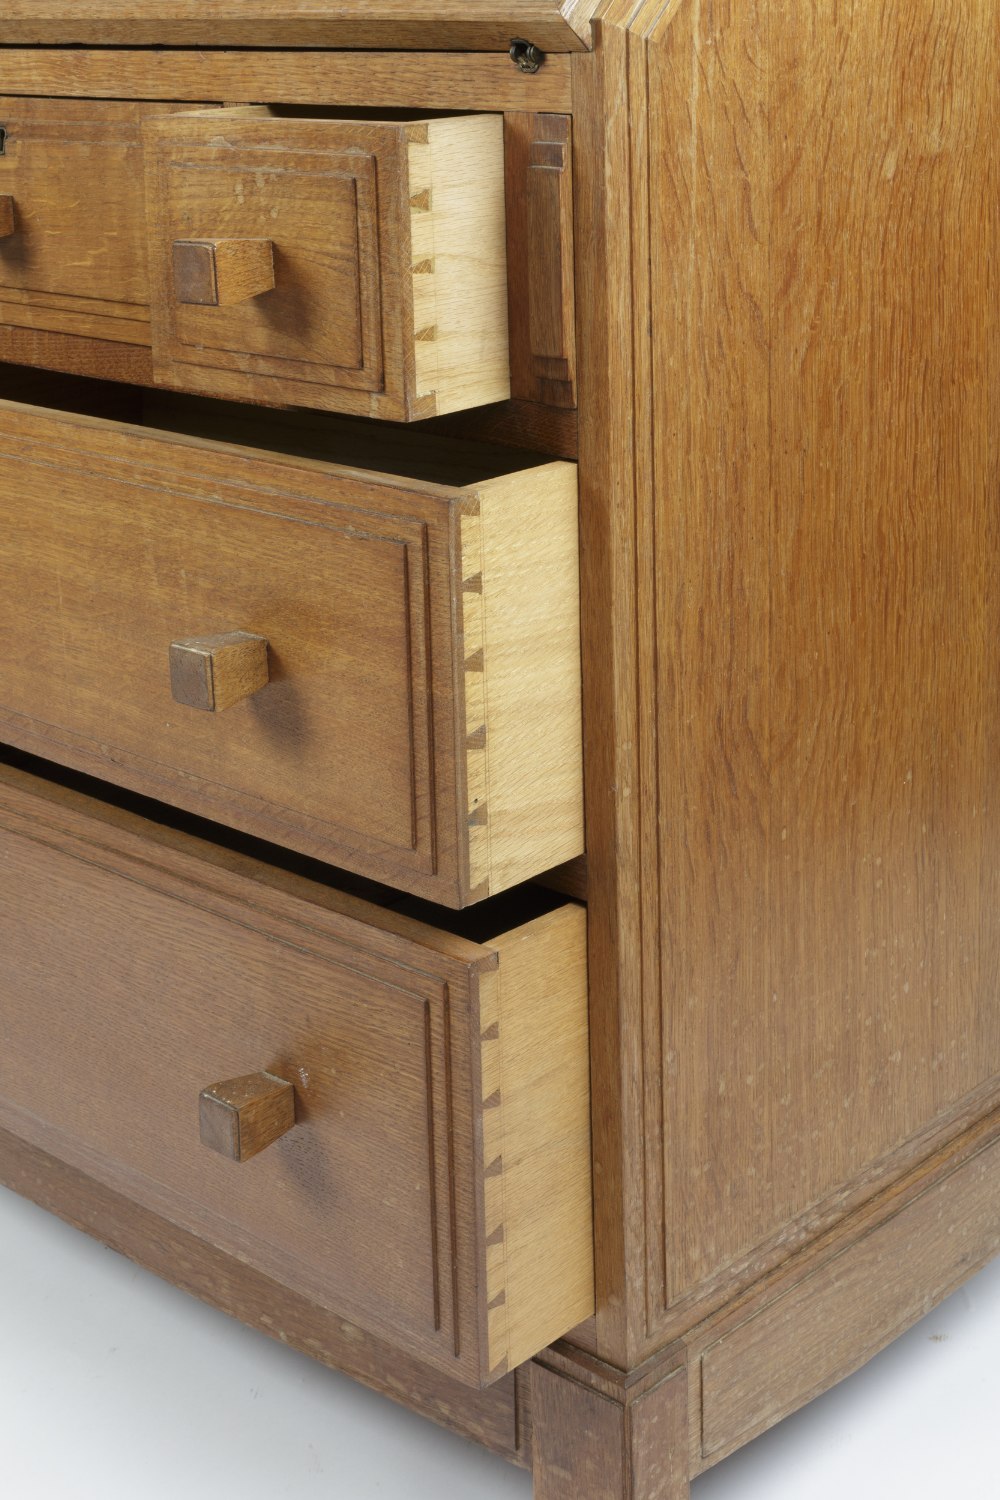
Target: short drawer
pixel 348 265
pixel 73 218
pixel 340 264
pixel 430 1179
pixel 416 717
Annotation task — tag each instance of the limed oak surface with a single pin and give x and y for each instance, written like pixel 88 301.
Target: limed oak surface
pixel 384 291
pixel 787 233
pixel 435 1188
pixel 74 260
pixel 421 724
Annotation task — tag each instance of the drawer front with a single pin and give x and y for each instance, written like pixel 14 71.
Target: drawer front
pixel 434 1187
pixel 345 265
pixel 417 637
pixel 72 218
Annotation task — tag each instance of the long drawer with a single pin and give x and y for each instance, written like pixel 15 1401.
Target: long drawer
pixel 419 1161
pixel 395 675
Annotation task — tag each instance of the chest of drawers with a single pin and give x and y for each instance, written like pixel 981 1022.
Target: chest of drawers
pixel 498 797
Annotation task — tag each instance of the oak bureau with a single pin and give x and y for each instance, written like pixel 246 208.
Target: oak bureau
pixel 500 687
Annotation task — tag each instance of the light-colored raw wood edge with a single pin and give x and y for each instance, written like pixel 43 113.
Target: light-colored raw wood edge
pixel 534 1052
pixel 459 262
pixel 461 81
pixel 521 686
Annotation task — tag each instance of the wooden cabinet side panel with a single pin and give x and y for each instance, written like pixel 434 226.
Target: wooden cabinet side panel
pixel 800 671
pixel 829 784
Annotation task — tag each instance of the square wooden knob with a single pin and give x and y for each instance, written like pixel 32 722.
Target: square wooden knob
pixel 7 217
pixel 220 273
pixel 212 672
pixel 240 1117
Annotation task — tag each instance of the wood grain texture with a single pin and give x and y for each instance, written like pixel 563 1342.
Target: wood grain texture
pixel 75 262
pixel 218 273
pixel 241 1117
pixel 452 81
pixel 389 253
pixel 849 1307
pixel 100 359
pixel 535 1075
pixel 458 259
pixel 793 1334
pixel 374 1205
pixel 541 264
pixel 357 751
pixel 788 449
pixel 8 216
pixel 587 1445
pixel 446 24
pixel 605 222
pixel 216 672
pixel 497 1417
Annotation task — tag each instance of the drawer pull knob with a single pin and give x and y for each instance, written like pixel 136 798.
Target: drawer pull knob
pixel 213 672
pixel 7 220
pixel 242 1116
pixel 219 273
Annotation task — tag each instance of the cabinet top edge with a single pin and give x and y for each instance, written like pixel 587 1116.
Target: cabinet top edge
pixel 410 25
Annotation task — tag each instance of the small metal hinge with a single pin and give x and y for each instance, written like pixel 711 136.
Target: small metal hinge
pixel 525 55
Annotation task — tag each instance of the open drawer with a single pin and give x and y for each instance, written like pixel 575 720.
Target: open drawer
pixel 339 263
pixel 73 232
pixel 343 264
pixel 429 1175
pixel 380 669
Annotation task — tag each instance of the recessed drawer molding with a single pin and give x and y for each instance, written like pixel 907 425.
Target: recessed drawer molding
pixel 398 660
pixel 382 290
pixel 73 230
pixel 429 1180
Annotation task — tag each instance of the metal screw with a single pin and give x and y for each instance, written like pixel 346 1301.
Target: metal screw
pixel 525 55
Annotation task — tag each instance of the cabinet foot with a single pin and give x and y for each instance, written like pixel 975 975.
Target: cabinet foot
pixel 589 1446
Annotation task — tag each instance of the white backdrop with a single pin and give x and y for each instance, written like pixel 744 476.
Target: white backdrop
pixel 114 1386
